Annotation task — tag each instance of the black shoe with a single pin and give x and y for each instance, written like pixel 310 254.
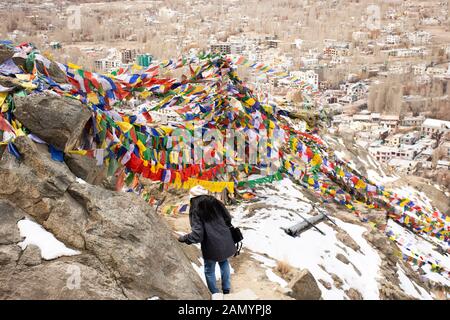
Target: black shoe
pixel 226 291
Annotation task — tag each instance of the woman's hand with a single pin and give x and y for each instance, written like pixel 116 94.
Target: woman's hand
pixel 182 238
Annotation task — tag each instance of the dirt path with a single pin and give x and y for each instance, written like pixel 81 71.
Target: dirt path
pixel 248 274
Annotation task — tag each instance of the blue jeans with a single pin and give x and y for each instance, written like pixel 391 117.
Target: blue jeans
pixel 210 275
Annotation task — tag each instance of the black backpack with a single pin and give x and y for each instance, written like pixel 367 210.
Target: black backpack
pixel 237 236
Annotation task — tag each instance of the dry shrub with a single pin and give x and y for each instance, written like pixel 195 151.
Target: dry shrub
pixel 284 268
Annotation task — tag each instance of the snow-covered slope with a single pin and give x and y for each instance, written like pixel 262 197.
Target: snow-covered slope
pixel 283 204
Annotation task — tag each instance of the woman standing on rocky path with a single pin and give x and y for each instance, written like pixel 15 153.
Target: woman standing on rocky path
pixel 210 223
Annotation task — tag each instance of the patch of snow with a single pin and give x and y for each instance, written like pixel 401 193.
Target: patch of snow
pixel 263 234
pixel 217 296
pixel 375 177
pixel 199 271
pixel 274 278
pixel 372 161
pixel 363 161
pixel 410 287
pixel 340 154
pixel 51 248
pixel 265 261
pixel 80 181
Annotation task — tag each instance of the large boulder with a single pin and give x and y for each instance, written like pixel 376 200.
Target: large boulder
pixel 127 250
pixel 79 277
pixel 85 168
pixel 304 286
pixel 9 215
pixel 58 121
pixel 54 71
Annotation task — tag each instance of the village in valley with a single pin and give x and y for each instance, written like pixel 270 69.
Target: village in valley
pixel 382 78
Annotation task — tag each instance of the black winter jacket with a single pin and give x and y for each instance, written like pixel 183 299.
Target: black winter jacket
pixel 215 236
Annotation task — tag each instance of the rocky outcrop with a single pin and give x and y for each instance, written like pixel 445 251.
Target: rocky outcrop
pixel 304 286
pixel 342 258
pixel 354 294
pixel 127 250
pixel 53 71
pixel 5 53
pixel 57 120
pixel 85 168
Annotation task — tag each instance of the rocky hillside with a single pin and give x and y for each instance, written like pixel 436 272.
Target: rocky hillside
pixel 116 244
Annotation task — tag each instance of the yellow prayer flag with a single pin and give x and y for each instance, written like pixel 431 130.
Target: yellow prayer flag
pixel 124 126
pixel 80 152
pixel 360 185
pixel 141 146
pixel 145 94
pixel 250 101
pixel 404 202
pixel 92 97
pixel 73 66
pixel 3 96
pixel 316 160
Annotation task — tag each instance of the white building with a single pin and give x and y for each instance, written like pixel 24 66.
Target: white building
pixel 390 121
pixel 419 37
pixel 106 64
pixel 443 164
pixel 394 140
pixel 309 62
pixel 308 76
pixel 431 127
pixel 409 138
pixel 419 69
pixel 383 153
pixel 446 147
pixel 413 121
pixel 433 71
pixel 393 39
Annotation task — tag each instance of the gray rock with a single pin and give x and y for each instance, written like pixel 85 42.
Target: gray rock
pixel 79 277
pixel 36 182
pixel 147 259
pixel 354 294
pixel 31 256
pixel 56 120
pixel 342 258
pixel 9 216
pixel 85 168
pixel 326 284
pixel 9 254
pixel 347 240
pixel 53 70
pixel 304 286
pixel 128 250
pixel 5 53
pixel 337 281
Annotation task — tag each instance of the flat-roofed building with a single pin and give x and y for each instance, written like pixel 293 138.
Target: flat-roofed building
pixel 433 127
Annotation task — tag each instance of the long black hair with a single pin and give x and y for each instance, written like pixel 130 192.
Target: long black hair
pixel 209 208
